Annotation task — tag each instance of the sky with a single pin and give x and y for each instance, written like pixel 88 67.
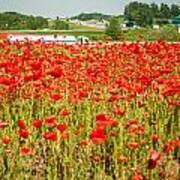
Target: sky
pixel 67 8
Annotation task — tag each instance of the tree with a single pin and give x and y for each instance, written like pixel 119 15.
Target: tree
pixel 146 16
pixel 95 16
pixel 154 10
pixel 143 14
pixel 165 11
pixel 41 22
pixel 13 20
pixel 130 11
pixel 60 24
pixel 175 10
pixel 138 12
pixel 113 29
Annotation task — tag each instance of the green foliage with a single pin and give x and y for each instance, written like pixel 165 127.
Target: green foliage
pixel 120 18
pixel 16 21
pixel 169 33
pixel 175 10
pixel 13 20
pixel 144 14
pixel 95 16
pixel 113 29
pixel 59 24
pixel 165 33
pixel 165 11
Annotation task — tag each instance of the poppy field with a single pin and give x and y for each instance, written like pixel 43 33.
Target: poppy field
pixel 95 112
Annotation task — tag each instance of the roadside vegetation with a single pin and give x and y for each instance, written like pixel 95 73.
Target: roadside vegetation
pixel 165 33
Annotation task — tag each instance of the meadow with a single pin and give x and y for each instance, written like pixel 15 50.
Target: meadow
pixel 95 112
pixel 168 33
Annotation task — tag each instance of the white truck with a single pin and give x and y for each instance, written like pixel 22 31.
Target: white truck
pixel 64 39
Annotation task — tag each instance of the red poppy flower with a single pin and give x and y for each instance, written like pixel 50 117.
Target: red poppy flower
pixel 23 133
pixel 137 177
pixel 37 123
pixel 56 72
pixel 21 124
pixel 109 123
pixel 168 148
pixel 133 145
pixel 98 136
pixel 56 97
pixel 6 140
pixel 138 89
pixel 50 121
pixel 102 117
pixel 65 135
pixel 3 125
pixel 5 80
pixel 171 145
pixel 64 112
pixel 104 120
pixel 155 137
pixel 154 158
pixel 114 98
pixel 62 127
pixel 113 133
pixel 119 111
pixel 25 151
pixel 84 143
pixel 50 136
pixel 122 158
pixel 82 94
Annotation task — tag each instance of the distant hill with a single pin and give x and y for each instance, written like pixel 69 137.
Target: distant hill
pixel 18 21
pixel 95 16
pixel 14 20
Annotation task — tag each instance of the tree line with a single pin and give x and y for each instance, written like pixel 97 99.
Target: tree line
pixel 140 13
pixel 95 16
pixel 144 14
pixel 16 21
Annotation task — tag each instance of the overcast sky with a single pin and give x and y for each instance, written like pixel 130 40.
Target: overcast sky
pixel 66 8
